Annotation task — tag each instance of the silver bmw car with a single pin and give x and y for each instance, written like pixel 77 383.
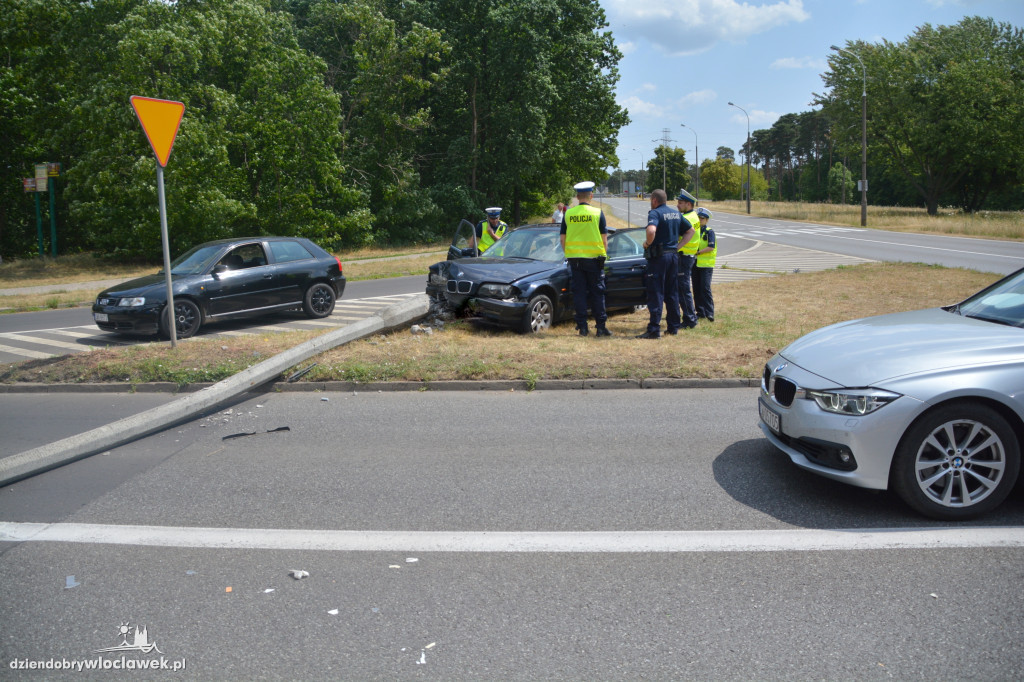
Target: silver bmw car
pixel 927 403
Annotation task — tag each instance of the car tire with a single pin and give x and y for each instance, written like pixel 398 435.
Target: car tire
pixel 957 462
pixel 539 315
pixel 187 319
pixel 319 300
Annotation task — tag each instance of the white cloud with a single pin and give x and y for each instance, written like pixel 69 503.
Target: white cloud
pixel 701 96
pixel 799 63
pixel 680 27
pixel 639 107
pixel 626 47
pixel 649 87
pixel 761 118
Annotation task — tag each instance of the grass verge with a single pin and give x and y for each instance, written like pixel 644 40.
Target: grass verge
pixel 754 320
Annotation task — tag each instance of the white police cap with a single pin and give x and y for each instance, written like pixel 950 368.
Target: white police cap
pixel 493 210
pixel 582 187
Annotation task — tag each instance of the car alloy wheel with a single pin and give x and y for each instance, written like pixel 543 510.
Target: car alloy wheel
pixel 539 315
pixel 319 300
pixel 187 319
pixel 957 462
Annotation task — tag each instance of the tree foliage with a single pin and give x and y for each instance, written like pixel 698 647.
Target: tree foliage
pixel 346 121
pixel 944 107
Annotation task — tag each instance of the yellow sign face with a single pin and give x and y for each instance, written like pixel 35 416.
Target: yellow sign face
pixel 160 119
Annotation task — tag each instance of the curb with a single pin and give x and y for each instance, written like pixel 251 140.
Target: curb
pixel 396 386
pixel 34 461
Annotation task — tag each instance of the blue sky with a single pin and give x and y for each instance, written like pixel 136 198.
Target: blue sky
pixel 686 59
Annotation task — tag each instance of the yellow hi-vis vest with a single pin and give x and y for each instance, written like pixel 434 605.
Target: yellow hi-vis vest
pixel 485 236
pixel 706 260
pixel 583 232
pixel 691 247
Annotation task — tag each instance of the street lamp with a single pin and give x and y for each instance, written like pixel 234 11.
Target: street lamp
pixel 643 169
pixel 748 153
pixel 863 137
pixel 696 161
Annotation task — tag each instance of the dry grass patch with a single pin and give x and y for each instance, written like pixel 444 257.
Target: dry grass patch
pixel 392 268
pixel 987 224
pixel 81 267
pixel 755 319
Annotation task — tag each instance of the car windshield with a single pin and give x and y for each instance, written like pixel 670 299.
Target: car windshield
pixel 1003 302
pixel 195 260
pixel 533 244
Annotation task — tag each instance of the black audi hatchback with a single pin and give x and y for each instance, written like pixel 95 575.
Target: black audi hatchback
pixel 225 279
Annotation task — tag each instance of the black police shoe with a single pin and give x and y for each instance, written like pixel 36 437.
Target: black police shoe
pixel 649 335
pixel 602 331
pixel 671 332
pixel 584 331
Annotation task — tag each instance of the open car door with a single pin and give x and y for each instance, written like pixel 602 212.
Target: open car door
pixel 625 269
pixel 464 242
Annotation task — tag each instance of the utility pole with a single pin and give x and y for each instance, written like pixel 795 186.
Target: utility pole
pixel 665 140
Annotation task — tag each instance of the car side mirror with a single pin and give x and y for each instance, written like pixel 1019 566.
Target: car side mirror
pixel 219 268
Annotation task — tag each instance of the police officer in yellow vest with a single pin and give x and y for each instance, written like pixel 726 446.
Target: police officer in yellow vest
pixel 490 230
pixel 707 252
pixel 584 236
pixel 687 258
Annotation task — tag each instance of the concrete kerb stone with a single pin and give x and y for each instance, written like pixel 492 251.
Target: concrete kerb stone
pixel 43 458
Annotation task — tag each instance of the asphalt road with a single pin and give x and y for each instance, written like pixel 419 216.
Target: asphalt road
pixel 986 255
pixel 401 469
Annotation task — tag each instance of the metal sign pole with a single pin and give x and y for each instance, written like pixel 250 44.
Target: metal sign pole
pixel 53 218
pixel 172 327
pixel 39 226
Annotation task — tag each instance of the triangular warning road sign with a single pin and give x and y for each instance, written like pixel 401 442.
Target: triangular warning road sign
pixel 160 119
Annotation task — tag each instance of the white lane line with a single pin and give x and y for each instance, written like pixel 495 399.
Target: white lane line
pixel 41 341
pixel 24 352
pixel 582 542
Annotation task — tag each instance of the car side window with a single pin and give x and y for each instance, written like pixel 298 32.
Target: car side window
pixel 623 245
pixel 285 252
pixel 245 256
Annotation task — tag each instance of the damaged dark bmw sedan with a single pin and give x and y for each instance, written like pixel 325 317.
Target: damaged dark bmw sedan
pixel 522 281
pixel 226 279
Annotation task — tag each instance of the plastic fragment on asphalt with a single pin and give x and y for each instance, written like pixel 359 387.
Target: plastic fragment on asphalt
pixel 325 399
pixel 253 433
pixel 333 612
pixel 298 574
pixel 933 595
pixel 431 645
pixel 423 658
pixel 69 582
pixel 394 566
pixel 227 589
pixel 190 572
pixel 411 560
pixel 268 590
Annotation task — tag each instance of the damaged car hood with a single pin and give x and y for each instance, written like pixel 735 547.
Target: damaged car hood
pixel 498 270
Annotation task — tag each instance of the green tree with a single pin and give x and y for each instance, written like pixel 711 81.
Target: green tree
pixel 721 177
pixel 382 75
pixel 668 164
pixel 724 153
pixel 944 107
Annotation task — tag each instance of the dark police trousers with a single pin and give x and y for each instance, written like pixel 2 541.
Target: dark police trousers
pixel 702 292
pixel 662 273
pixel 686 300
pixel 588 286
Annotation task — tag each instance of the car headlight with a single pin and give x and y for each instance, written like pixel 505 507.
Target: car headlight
pixel 437 278
pixel 131 302
pixel 852 401
pixel 495 290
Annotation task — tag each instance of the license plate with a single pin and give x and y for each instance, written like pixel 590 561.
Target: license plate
pixel 101 317
pixel 769 417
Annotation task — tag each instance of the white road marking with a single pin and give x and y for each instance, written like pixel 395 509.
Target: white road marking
pixel 582 542
pixel 25 352
pixel 41 341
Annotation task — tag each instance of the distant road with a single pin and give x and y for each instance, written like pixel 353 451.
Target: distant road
pixel 986 255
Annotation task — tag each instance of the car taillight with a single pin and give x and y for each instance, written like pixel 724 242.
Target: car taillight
pixel 341 270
